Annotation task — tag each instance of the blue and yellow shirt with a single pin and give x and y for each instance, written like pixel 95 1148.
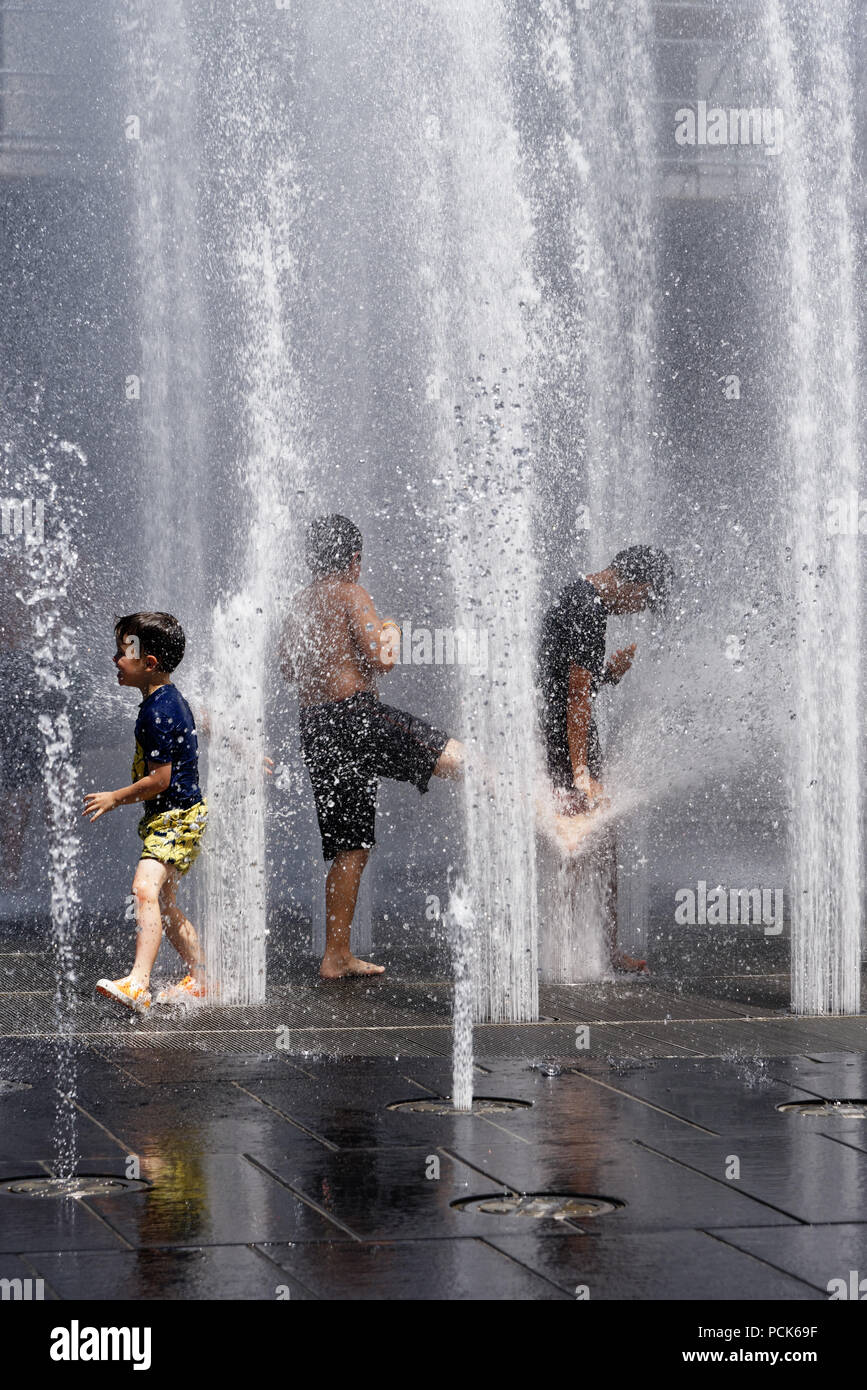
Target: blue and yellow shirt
pixel 165 732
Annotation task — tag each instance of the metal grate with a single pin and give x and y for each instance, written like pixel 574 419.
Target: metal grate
pixel 540 1206
pixel 91 1185
pixel 838 1109
pixel 411 1018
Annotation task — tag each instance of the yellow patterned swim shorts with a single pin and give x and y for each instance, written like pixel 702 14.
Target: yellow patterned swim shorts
pixel 174 837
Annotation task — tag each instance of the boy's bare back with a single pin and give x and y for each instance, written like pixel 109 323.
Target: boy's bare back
pixel 331 642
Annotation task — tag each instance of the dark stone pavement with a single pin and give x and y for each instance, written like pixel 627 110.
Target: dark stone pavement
pixel 279 1171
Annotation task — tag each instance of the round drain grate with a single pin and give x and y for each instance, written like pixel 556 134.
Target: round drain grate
pixel 91 1185
pixel 842 1109
pixel 482 1105
pixel 542 1206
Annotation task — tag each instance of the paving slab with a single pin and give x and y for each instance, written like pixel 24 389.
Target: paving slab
pixel 678 1265
pixel 657 1193
pixel 42 1223
pixel 806 1176
pixel 233 1272
pixel 436 1270
pixel 719 1096
pixel 201 1198
pixel 817 1253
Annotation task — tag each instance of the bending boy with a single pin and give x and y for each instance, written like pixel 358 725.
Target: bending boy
pixel 571 671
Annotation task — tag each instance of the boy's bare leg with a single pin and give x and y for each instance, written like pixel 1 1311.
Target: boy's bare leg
pixel 341 892
pixel 146 886
pixel 179 929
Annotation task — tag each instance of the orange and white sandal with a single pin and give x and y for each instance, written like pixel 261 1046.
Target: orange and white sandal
pixel 188 991
pixel 138 1001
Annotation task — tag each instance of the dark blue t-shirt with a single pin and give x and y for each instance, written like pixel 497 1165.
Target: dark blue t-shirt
pixel 165 732
pixel 573 634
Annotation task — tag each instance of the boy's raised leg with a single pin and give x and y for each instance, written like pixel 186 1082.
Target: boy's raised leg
pixel 341 892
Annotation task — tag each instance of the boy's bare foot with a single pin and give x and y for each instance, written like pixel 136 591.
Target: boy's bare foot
pixel 337 967
pixel 629 965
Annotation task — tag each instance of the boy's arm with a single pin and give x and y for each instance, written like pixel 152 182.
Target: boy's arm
pixel 378 641
pixel 618 665
pixel 578 715
pixel 145 789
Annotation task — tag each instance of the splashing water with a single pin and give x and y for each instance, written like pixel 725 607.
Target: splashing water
pixel 244 634
pixel 573 905
pixel 595 187
pixel 51 565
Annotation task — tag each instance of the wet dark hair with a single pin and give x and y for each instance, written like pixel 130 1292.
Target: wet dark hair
pixel 332 544
pixel 645 564
pixel 159 635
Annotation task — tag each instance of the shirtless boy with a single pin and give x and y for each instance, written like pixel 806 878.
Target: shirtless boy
pixel 334 646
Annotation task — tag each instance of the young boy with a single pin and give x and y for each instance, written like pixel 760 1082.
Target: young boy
pixel 334 646
pixel 571 671
pixel 165 776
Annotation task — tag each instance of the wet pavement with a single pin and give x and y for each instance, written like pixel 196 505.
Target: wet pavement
pixel 408 1014
pixel 276 1169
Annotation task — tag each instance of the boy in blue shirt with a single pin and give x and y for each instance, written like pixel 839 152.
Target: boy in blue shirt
pixel 165 775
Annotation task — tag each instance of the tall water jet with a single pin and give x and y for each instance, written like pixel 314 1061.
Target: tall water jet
pixel 261 200
pixel 50 562
pixel 460 924
pixel 476 288
pixel 594 184
pixel 591 85
pixel 168 384
pixel 818 431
